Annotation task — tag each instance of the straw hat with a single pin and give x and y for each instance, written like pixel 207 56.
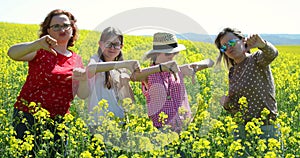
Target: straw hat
pixel 164 43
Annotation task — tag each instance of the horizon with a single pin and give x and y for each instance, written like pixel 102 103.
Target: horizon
pixel 139 34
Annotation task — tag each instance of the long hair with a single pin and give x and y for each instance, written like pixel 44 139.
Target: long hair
pixel 107 34
pixel 228 62
pixel 45 25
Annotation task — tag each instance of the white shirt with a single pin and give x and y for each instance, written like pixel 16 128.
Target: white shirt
pixel 99 91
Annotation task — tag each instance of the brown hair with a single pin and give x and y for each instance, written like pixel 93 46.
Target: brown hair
pixel 229 62
pixel 107 34
pixel 45 25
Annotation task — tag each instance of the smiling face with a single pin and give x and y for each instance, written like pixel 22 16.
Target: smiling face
pixel 111 48
pixel 234 47
pixel 60 28
pixel 165 57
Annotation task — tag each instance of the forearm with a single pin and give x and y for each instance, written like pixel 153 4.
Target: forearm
pixel 269 51
pixel 83 89
pixel 106 66
pixel 203 64
pixel 18 51
pixel 267 54
pixel 144 73
pixel 199 66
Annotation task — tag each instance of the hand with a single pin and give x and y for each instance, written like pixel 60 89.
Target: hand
pixel 255 41
pixel 132 65
pixel 187 70
pixel 224 100
pixel 209 62
pixel 79 74
pixel 202 64
pixel 47 43
pixel 170 66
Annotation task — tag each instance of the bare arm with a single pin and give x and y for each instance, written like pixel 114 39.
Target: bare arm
pixel 83 88
pixel 131 65
pixel 203 64
pixel 27 51
pixel 191 69
pixel 142 75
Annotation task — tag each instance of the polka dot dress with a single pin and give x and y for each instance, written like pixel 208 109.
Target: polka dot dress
pixel 49 82
pixel 253 79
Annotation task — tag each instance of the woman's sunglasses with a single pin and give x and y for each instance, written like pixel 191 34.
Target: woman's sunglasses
pixel 230 43
pixel 57 27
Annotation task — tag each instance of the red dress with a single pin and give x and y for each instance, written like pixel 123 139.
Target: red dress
pixel 49 83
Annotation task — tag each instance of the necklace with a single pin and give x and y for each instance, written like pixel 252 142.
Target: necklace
pixel 169 84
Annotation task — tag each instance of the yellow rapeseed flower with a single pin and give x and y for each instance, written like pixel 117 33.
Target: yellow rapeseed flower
pixel 261 145
pixel 162 117
pixel 219 154
pixel 252 129
pixel 86 154
pixel 270 154
pixel 47 134
pixel 273 144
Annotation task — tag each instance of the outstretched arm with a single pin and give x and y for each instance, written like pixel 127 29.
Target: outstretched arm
pixel 191 69
pixel 27 51
pixel 131 65
pixel 142 75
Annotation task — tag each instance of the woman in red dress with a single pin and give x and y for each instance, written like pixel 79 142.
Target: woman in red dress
pixel 49 81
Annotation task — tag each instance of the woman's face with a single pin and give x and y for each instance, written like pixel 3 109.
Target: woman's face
pixel 165 57
pixel 111 48
pixel 232 46
pixel 60 29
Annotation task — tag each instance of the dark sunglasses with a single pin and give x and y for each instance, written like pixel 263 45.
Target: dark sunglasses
pixel 116 45
pixel 230 43
pixel 57 27
pixel 168 54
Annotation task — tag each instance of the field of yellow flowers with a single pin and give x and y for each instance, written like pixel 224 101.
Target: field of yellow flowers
pixel 209 135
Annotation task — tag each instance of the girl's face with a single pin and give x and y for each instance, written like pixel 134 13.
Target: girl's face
pixel 232 46
pixel 111 48
pixel 165 57
pixel 60 29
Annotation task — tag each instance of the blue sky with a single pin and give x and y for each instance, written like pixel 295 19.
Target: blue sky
pixel 250 16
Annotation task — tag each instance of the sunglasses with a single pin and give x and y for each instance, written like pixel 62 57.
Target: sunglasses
pixel 116 45
pixel 57 27
pixel 230 43
pixel 168 54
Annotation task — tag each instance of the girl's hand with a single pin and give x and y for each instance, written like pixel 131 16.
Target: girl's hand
pixel 79 74
pixel 197 66
pixel 170 66
pixel 187 70
pixel 255 41
pixel 224 100
pixel 132 65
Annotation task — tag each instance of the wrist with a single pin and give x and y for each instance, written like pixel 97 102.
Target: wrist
pixel 263 45
pixel 160 68
pixel 35 45
pixel 119 65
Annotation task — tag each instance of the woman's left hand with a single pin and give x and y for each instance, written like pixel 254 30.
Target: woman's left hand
pixel 187 70
pixel 255 41
pixel 79 74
